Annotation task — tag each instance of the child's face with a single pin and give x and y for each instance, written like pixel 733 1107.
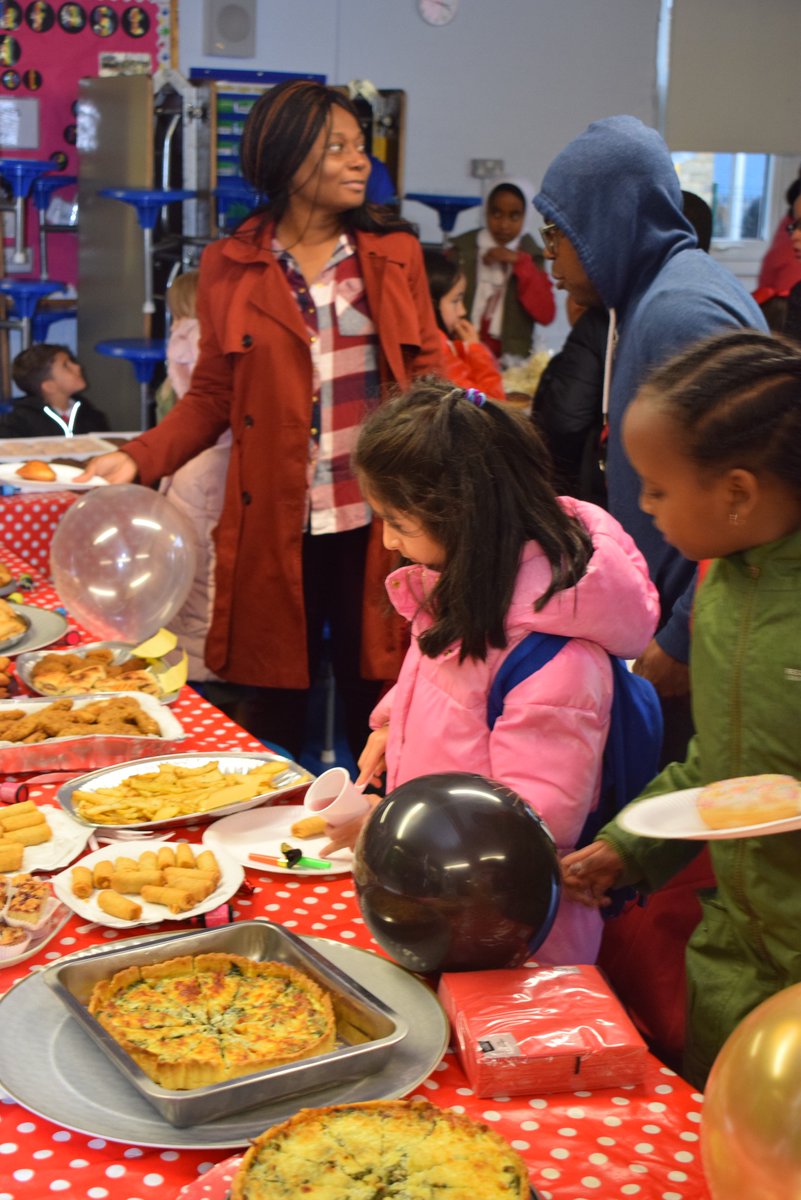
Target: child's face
pixel 404 533
pixel 451 305
pixel 690 510
pixel 65 378
pixel 505 217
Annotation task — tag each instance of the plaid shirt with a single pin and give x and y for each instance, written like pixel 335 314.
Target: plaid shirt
pixel 344 353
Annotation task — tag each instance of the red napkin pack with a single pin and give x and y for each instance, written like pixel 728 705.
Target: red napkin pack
pixel 541 1029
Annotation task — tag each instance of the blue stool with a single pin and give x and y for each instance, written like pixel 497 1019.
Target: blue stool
pixel 26 294
pixel 19 174
pixel 43 189
pixel 447 207
pixel 43 318
pixel 143 354
pixel 232 191
pixel 147 202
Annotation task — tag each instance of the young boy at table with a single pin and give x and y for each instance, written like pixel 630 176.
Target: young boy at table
pixel 51 379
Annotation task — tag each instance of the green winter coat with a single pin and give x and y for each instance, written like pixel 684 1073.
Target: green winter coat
pixel 746 688
pixel 528 295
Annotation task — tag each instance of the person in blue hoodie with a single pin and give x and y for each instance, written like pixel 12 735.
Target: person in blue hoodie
pixel 617 236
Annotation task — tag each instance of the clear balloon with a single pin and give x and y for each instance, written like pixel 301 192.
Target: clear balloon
pixel 455 872
pixel 751 1125
pixel 122 560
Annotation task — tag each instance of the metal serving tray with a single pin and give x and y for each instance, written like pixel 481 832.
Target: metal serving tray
pixel 121 651
pixel 367 1029
pixel 238 760
pixel 92 749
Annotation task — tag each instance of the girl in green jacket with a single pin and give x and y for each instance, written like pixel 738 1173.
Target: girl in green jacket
pixel 715 436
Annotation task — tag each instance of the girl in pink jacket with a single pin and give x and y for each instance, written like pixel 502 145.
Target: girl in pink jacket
pixel 461 485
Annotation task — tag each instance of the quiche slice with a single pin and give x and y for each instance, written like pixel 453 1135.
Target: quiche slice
pixel 190 1022
pixel 395 1149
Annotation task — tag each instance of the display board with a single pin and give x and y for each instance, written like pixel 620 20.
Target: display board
pixel 45 48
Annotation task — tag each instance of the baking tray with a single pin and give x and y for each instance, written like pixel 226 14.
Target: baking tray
pixel 367 1029
pixel 120 652
pixel 93 750
pixel 232 761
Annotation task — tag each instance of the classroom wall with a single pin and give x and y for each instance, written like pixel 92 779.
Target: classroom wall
pixel 508 79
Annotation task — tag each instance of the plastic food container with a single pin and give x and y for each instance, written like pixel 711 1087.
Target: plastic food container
pixel 367 1030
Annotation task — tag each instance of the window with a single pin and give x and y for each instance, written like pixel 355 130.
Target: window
pixel 736 188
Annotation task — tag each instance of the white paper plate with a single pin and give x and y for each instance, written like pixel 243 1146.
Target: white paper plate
pixel 152 914
pixel 674 815
pixel 69 839
pixel 45 628
pixel 65 478
pixel 261 831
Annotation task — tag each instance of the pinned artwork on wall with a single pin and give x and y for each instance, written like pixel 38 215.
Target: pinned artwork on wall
pixel 45 48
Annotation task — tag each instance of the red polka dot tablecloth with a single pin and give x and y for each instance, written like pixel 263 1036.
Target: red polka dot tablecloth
pixel 28 521
pixel 640 1142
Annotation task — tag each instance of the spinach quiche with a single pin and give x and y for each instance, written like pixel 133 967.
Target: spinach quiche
pixel 392 1149
pixel 193 1021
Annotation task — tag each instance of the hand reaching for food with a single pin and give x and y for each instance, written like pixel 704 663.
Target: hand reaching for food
pixel 588 874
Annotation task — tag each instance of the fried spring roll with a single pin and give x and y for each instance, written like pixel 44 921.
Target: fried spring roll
pixel 11 856
pixel 206 861
pixel 177 900
pixel 148 861
pixel 21 820
pixel 134 881
pixel 165 857
pixel 116 905
pixel 82 883
pixel 9 810
pixel 102 872
pixel 34 835
pixel 184 855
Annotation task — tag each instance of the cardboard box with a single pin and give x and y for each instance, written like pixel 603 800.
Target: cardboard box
pixel 540 1029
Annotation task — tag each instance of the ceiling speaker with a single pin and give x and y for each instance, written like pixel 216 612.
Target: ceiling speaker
pixel 229 28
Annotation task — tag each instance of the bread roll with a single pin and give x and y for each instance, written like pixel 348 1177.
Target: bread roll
pixel 40 471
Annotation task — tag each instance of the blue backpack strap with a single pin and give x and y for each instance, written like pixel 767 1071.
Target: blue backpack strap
pixel 534 651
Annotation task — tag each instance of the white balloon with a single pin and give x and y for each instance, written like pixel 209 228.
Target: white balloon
pixel 122 561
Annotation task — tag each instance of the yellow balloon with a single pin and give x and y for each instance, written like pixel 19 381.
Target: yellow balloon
pixel 751 1125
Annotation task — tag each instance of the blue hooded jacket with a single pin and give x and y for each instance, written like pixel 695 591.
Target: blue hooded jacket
pixel 614 192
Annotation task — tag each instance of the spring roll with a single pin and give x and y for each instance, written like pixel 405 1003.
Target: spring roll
pixel 83 883
pixel 194 884
pixel 165 857
pixel 102 872
pixel 119 906
pixel 176 899
pixel 134 881
pixel 11 856
pixel 180 875
pixel 125 864
pixel 206 861
pixel 9 810
pixel 308 827
pixel 184 855
pixel 21 820
pixel 148 861
pixel 34 835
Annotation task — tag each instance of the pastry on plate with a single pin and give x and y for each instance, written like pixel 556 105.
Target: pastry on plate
pixel 749 800
pixel 11 623
pixel 400 1148
pixel 36 470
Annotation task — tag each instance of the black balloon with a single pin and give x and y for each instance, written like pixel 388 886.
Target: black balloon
pixel 454 872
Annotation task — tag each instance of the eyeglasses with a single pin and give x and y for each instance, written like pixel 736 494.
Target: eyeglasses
pixel 550 235
pixel 793 226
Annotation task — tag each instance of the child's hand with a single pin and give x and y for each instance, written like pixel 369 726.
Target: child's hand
pixel 372 762
pixel 464 330
pixel 500 254
pixel 587 874
pixel 669 676
pixel 116 467
pixel 343 836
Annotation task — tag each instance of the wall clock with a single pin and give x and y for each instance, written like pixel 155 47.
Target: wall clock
pixel 437 12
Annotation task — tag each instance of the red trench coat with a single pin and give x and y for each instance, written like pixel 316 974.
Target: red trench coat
pixel 255 374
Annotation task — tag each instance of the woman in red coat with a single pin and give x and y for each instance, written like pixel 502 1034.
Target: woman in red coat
pixel 307 312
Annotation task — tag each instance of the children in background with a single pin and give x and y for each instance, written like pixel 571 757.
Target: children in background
pixel 468 362
pixel 715 436
pixel 507 288
pixel 183 344
pixel 197 488
pixel 462 490
pixel 51 379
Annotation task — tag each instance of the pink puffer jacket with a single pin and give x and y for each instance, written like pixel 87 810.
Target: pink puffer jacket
pixel 548 743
